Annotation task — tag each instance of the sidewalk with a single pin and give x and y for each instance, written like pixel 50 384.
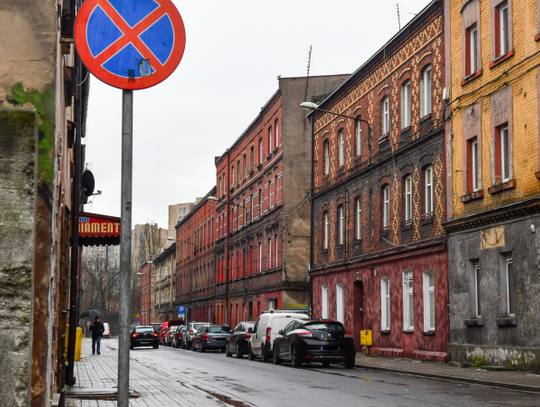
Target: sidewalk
pixel 97 383
pixel 505 379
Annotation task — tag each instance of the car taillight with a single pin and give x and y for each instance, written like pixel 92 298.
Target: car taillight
pixel 134 335
pixel 154 334
pixel 305 334
pixel 246 335
pixel 205 336
pixel 108 332
pixel 191 332
pixel 268 331
pixel 348 335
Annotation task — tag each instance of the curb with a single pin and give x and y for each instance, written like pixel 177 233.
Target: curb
pixel 503 385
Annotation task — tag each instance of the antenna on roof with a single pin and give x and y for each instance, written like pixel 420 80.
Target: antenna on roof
pixel 398 18
pixel 308 67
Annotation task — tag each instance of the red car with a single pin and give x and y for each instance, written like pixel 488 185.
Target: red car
pixel 165 327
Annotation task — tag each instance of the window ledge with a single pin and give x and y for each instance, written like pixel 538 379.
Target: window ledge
pixel 429 333
pixel 472 196
pixel 383 138
pixel 406 129
pixel 408 331
pixel 507 321
pixel 357 241
pixel 501 59
pixel 472 77
pixel 474 322
pixel 537 174
pixel 426 219
pixel 406 226
pixel 425 118
pixel 324 251
pixel 385 332
pixel 341 170
pixel 259 166
pixel 269 156
pixel 275 150
pixel 502 187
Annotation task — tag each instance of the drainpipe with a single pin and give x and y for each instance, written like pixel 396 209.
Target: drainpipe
pixel 311 260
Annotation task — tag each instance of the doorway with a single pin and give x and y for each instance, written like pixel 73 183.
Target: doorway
pixel 358 319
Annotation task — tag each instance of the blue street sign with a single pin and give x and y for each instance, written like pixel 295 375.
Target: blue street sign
pixel 181 309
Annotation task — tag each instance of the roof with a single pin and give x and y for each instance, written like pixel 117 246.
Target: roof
pixel 196 206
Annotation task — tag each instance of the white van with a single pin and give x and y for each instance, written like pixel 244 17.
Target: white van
pixel 266 329
pixel 107 331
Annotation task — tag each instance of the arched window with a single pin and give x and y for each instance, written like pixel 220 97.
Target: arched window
pixel 406 104
pixel 269 253
pixel 385 205
pixel 341 147
pixel 358 136
pixel 276 251
pixel 428 190
pixel 326 157
pixel 358 218
pixel 325 228
pixel 425 92
pixel 260 257
pixel 341 224
pixel 385 109
pixel 407 198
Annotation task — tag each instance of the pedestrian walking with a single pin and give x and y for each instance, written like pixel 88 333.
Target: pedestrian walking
pixel 97 329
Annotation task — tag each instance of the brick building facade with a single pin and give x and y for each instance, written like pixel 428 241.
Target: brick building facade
pixel 262 236
pixel 493 181
pixel 164 285
pixel 148 278
pixel 379 259
pixel 195 264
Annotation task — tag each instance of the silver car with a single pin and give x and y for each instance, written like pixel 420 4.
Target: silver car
pixel 191 330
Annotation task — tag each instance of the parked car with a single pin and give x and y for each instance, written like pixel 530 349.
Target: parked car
pixel 165 326
pixel 144 336
pixel 211 337
pixel 317 340
pixel 107 331
pixel 177 337
pixel 191 330
pixel 157 326
pixel 170 333
pixel 238 342
pixel 266 329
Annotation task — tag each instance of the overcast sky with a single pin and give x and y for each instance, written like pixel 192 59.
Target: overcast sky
pixel 235 50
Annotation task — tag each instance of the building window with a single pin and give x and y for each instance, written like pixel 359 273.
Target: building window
pixel 325 237
pixel 276 129
pixel 510 293
pixel 429 301
pixel 341 142
pixel 406 104
pixel 408 303
pixel 276 252
pixel 341 222
pixel 244 163
pixel 340 304
pixel 428 192
pixel 251 206
pixel 326 157
pixel 502 155
pixel 471 50
pixel 385 115
pixel 269 193
pixel 270 139
pixel 276 190
pixel 358 223
pixel 232 175
pixel 386 206
pixel 502 35
pixel 251 158
pixel 358 136
pixel 239 172
pixel 324 302
pixel 260 202
pixel 385 304
pixel 269 253
pixel 476 294
pixel 260 257
pixel 220 187
pixel 472 165
pixel 260 151
pixel 407 191
pixel 425 92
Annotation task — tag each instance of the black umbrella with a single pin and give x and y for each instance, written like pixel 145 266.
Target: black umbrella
pixel 91 313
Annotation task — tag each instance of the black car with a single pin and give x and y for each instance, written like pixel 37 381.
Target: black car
pixel 157 326
pixel 177 337
pixel 322 340
pixel 144 336
pixel 238 342
pixel 211 337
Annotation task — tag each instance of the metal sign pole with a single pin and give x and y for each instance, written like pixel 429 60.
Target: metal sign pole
pixel 125 248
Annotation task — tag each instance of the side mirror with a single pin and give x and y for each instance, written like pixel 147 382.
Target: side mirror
pixel 280 332
pixel 250 330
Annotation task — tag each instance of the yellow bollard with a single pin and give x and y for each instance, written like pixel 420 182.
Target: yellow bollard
pixel 78 343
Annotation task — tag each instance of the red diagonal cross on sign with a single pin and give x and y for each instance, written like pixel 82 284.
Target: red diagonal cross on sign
pixel 131 35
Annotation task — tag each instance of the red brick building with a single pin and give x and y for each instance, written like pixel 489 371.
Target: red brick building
pixel 195 267
pixel 147 296
pixel 379 259
pixel 262 219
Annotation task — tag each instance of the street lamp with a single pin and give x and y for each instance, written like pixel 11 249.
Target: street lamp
pixel 309 106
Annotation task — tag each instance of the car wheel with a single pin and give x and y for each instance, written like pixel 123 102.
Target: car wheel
pixel 264 355
pixel 222 350
pixel 201 348
pixel 276 359
pixel 251 354
pixel 228 351
pixel 183 345
pixel 156 346
pixel 193 347
pixel 349 364
pixel 295 360
pixel 131 347
pixel 325 363
pixel 239 354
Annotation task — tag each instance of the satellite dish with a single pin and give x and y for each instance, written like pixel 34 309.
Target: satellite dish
pixel 88 183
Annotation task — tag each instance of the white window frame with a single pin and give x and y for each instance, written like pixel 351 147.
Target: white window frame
pixel 477 298
pixel 426 92
pixel 260 151
pixel 408 198
pixel 505 153
pixel 510 294
pixel 358 137
pixel 269 186
pixel 408 299
pixel 428 191
pixel 429 301
pixel 260 257
pixel 325 242
pixel 341 143
pixel 232 175
pixel 270 139
pixel 340 225
pixel 473 48
pixel 474 164
pixel 325 309
pixel 358 218
pixel 406 104
pixel 386 206
pixel 276 125
pixel 504 38
pixel 385 304
pixel 385 115
pixel 326 145
pixel 340 303
pixel 276 253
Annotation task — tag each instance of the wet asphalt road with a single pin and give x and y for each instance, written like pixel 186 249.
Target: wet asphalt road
pixel 264 385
